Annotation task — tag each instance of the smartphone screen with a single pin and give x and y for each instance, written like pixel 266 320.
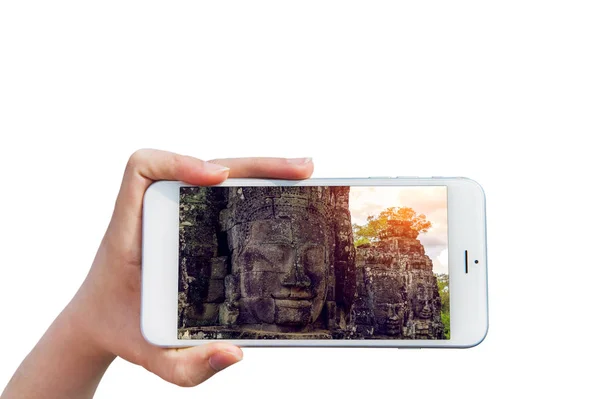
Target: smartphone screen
pixel 313 262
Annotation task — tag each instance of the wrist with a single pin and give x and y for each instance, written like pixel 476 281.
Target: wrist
pixel 65 363
pixel 74 327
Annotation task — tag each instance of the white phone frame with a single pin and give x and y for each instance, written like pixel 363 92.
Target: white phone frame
pixel 466 232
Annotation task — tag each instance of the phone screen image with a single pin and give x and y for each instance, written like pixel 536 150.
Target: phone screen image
pixel 313 262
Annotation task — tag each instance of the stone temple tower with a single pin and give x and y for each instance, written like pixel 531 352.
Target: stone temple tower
pixel 398 289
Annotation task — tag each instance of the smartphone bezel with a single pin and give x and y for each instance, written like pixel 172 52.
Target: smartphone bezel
pixel 466 232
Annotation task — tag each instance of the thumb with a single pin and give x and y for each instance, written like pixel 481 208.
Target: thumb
pixel 189 367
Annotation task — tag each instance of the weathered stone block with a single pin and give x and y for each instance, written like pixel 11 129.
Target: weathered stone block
pixel 228 314
pixel 218 267
pixel 265 231
pixel 209 314
pixel 330 314
pixel 216 291
pixel 232 288
pixel 257 310
pixel 292 316
pixel 260 284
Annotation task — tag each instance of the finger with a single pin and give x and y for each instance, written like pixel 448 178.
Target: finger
pixel 146 166
pixel 273 168
pixel 190 366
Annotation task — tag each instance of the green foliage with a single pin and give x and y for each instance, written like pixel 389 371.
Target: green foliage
pixel 444 290
pixel 392 222
pixel 361 241
pixel 446 320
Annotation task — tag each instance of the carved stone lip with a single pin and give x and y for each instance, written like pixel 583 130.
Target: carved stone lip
pixel 293 303
pixel 294 295
pixel 392 324
pixel 425 314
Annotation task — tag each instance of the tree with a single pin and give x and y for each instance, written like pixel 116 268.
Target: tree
pixel 392 222
pixel 443 289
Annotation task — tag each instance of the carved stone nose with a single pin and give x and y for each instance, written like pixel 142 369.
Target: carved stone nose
pixel 296 277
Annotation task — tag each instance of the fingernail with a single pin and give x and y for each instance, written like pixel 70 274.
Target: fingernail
pixel 225 358
pixel 215 168
pixel 299 161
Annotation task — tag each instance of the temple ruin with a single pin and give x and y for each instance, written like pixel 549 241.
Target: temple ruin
pixel 280 262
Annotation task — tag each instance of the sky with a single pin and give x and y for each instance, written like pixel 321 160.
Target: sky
pixel 428 200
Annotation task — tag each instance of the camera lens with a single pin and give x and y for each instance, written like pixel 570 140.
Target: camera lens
pixel 476 261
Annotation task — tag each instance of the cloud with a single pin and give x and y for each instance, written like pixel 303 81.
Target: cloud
pixel 429 200
pixel 441 261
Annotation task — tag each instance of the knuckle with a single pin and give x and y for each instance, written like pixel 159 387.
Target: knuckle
pixel 136 158
pixel 175 164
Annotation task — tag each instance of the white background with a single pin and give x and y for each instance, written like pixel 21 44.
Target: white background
pixel 507 93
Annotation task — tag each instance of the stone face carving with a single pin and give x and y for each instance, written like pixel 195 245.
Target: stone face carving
pixel 283 270
pixel 280 262
pixel 201 267
pixel 403 296
pixel 425 305
pixel 389 302
pixel 422 297
pixel 288 266
pixel 289 246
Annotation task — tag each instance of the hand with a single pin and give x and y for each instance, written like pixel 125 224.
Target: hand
pixel 103 319
pixel 111 293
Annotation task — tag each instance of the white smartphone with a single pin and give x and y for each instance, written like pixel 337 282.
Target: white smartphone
pixel 381 262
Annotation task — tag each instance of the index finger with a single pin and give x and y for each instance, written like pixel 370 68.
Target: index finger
pixel 270 168
pixel 146 166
